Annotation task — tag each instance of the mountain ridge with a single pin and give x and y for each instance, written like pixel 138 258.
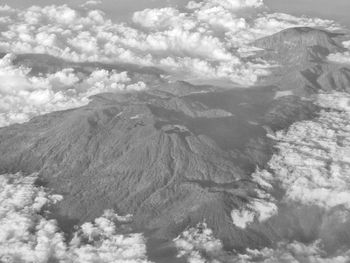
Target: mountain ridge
pixel 172 157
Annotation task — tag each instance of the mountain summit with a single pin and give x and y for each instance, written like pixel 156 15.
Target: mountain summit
pixel 175 159
pixel 299 45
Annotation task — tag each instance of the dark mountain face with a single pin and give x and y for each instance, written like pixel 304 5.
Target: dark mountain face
pixel 171 161
pixel 177 154
pixel 299 45
pixel 300 55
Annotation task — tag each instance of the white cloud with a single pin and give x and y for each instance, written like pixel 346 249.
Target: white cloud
pixel 27 236
pixel 293 252
pixel 23 96
pixel 311 164
pixel 198 244
pixel 266 24
pixel 242 218
pixel 100 242
pixel 91 3
pixel 343 58
pixel 313 157
pixel 346 44
pixel 228 4
pixel 158 18
pixel 202 39
pixel 257 209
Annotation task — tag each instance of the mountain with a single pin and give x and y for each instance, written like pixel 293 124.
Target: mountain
pixel 302 67
pixel 296 46
pixel 171 161
pixel 337 78
pixel 176 154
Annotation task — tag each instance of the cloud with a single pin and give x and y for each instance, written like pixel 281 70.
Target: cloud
pixel 343 58
pixel 201 41
pixel 23 96
pixel 198 244
pixel 157 18
pixel 27 236
pixel 257 209
pixel 266 24
pixel 312 161
pixel 228 4
pixel 311 164
pixel 91 3
pixel 293 252
pixel 99 241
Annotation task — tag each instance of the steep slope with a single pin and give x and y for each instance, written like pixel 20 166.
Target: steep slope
pixel 302 67
pixel 177 154
pixel 170 161
pixel 299 45
pixel 335 79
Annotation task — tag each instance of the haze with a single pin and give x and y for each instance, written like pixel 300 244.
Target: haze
pixel 121 9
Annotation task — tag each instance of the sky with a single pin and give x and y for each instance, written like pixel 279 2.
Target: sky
pixel 337 9
pixel 121 9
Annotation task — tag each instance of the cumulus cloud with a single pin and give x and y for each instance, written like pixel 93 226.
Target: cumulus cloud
pixel 313 161
pixel 27 236
pixel 293 252
pixel 158 18
pixel 341 57
pixel 201 41
pixel 23 96
pixel 100 242
pixel 311 164
pixel 228 4
pixel 199 245
pixel 270 23
pixel 257 209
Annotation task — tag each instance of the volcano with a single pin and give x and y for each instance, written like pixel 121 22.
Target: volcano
pixel 177 154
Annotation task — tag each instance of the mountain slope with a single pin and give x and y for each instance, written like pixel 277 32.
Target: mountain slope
pixel 300 55
pixel 171 161
pixel 177 154
pixel 295 46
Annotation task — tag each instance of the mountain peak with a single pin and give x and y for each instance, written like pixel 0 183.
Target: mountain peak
pixel 299 45
pixel 299 37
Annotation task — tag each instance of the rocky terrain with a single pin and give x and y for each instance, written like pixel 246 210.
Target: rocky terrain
pixel 177 154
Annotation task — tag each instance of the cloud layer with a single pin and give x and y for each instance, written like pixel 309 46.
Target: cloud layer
pixel 206 41
pixel 312 164
pixel 199 245
pixel 27 236
pixel 341 57
pixel 314 156
pixel 23 96
pixel 198 42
